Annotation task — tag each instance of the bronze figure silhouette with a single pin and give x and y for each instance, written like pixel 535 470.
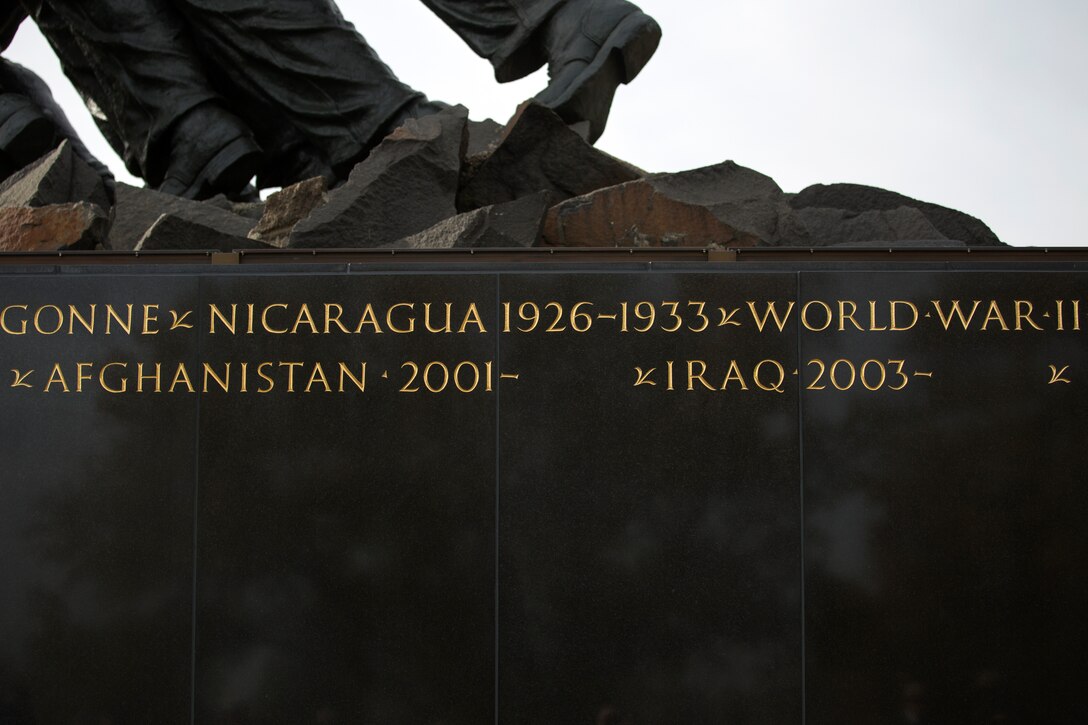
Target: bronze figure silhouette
pixel 200 96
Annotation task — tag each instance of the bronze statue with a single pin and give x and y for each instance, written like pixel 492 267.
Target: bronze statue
pixel 198 96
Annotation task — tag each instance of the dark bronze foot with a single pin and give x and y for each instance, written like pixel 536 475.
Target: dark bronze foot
pixel 593 46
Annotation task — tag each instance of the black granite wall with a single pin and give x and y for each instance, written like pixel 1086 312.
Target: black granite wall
pixel 693 494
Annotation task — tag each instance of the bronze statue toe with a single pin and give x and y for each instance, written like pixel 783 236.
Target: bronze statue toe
pixel 594 46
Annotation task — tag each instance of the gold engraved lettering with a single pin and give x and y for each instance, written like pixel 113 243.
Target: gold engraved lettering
pixel 222 382
pixel 776 384
pixel 74 316
pixel 581 321
pixel 673 306
pixel 244 370
pixel 847 309
pixel 872 317
pixel 216 314
pixel 149 318
pixel 472 317
pixel 264 319
pixel 410 386
pixel 1024 310
pixel 304 318
pixel 368 318
pixel 411 320
pixel 358 382
pixel 647 313
pixel 669 375
pixel 733 374
pixel 836 379
pixel 643 378
pixel 1076 315
pixel 178 321
pixel 993 312
pixel 898 370
pixel 181 376
pixel 770 312
pixel 56 377
pixel 1061 312
pixel 693 376
pixel 826 311
pixel 866 377
pixel 557 323
pixel 820 370
pixel 333 319
pixel 112 316
pixel 957 311
pixel 447 327
pixel 727 317
pixel 265 377
pixel 102 378
pixel 81 375
pixel 445 379
pixel 38 321
pixel 528 312
pixel 4 320
pixel 251 318
pixel 1057 376
pixel 291 374
pixel 895 305
pixel 699 307
pixel 20 379
pixel 317 375
pixel 140 377
pixel 457 381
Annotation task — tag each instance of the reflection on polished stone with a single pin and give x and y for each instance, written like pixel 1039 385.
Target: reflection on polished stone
pixel 944 549
pixel 96 528
pixel 612 497
pixel 649 562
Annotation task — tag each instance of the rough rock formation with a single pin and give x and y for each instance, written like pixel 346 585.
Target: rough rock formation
pixel 50 228
pixel 408 183
pixel 445 182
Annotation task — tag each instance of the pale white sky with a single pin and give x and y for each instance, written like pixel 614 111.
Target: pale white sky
pixel 981 105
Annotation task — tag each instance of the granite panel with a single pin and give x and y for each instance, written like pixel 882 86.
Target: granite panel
pixel 96 503
pixel 944 536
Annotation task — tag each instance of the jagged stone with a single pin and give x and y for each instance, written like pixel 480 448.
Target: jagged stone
pixel 407 184
pixel 184 229
pixel 137 210
pixel 949 223
pixel 513 224
pixel 59 177
pixel 248 209
pixel 481 134
pixel 286 208
pixel 820 227
pixel 636 214
pixel 52 227
pixel 538 152
pixel 739 197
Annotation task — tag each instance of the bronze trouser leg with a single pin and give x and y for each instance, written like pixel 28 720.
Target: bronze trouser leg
pixel 299 60
pixel 135 67
pixel 14 78
pixel 500 30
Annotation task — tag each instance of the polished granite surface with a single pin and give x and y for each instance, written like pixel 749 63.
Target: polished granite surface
pixel 544 496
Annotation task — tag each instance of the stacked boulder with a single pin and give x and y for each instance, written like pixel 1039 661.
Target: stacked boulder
pixel 444 182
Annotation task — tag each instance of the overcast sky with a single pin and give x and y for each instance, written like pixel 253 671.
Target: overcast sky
pixel 981 105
